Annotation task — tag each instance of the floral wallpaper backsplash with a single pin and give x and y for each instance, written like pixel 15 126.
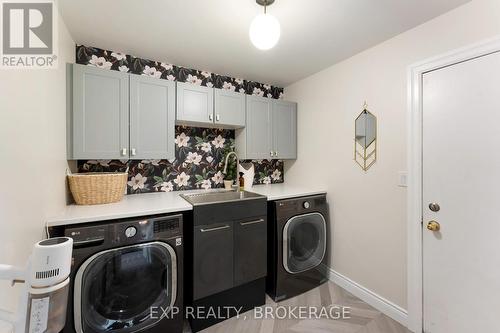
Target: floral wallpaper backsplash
pixel 198 164
pixel 199 152
pixel 93 56
pixel 267 171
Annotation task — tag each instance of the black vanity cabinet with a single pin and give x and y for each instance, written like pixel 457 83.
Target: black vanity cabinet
pixel 229 245
pixel 228 258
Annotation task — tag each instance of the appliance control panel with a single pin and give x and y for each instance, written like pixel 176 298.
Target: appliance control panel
pixel 126 231
pixel 146 229
pixel 302 204
pixel 86 235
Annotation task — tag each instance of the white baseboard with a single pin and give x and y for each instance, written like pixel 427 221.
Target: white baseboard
pixel 378 302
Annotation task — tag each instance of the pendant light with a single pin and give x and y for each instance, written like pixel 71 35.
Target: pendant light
pixel 265 29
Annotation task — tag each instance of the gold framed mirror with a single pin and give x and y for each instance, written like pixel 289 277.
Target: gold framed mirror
pixel 365 139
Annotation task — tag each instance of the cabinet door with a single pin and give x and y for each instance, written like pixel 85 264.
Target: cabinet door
pixel 100 114
pixel 284 130
pixel 213 259
pixel 229 108
pixel 258 128
pixel 250 250
pixel 195 104
pixel 152 118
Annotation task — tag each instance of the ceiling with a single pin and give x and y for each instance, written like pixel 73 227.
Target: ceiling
pixel 212 35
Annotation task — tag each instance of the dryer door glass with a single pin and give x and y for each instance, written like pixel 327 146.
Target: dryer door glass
pixel 304 242
pixel 116 289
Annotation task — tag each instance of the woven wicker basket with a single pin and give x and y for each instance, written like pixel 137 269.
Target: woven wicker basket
pixel 95 188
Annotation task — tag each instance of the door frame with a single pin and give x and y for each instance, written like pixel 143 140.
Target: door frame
pixel 414 158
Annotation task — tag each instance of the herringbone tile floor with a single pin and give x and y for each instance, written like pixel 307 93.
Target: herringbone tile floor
pixel 363 317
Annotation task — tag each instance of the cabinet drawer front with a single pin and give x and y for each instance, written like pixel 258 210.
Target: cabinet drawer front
pixel 229 211
pixel 250 250
pixel 213 259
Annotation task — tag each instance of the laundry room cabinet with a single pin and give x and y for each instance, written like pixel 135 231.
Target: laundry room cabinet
pixel 229 245
pixel 115 115
pixel 250 250
pixel 284 129
pixel 152 118
pixel 229 108
pixel 270 131
pixel 228 254
pixel 213 259
pixel 99 117
pixel 195 104
pixel 209 107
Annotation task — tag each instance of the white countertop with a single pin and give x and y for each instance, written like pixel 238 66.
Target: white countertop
pixel 161 203
pixel 130 206
pixel 285 191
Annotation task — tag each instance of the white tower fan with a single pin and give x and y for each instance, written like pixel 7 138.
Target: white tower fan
pixel 42 306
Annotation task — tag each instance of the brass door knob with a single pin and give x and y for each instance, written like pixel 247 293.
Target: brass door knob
pixel 433 226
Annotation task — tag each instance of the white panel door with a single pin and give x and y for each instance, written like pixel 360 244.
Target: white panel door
pixel 461 173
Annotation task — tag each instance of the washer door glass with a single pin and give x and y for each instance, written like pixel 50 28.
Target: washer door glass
pixel 304 242
pixel 119 287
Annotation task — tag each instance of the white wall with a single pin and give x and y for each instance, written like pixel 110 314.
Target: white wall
pixel 368 210
pixel 33 156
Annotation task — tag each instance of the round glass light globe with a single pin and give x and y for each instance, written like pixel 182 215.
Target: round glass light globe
pixel 264 31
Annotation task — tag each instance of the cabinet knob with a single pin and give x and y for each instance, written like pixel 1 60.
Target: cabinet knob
pixel 132 152
pixel 276 154
pixel 217 117
pixel 124 151
pixel 271 153
pixel 210 117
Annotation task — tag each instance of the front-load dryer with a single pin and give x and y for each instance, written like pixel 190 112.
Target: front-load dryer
pixel 297 245
pixel 126 276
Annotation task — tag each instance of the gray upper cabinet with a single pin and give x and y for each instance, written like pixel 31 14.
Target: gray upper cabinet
pixel 271 130
pixel 204 106
pixel 100 114
pixel 152 118
pixel 229 108
pixel 284 129
pixel 116 115
pixel 255 140
pixel 195 104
